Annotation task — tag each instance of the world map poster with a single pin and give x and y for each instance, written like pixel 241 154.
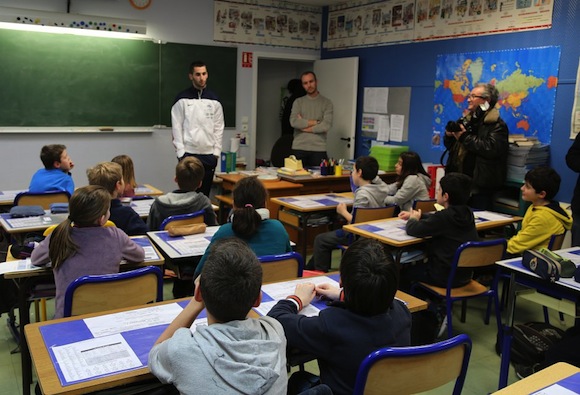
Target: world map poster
pixel 525 78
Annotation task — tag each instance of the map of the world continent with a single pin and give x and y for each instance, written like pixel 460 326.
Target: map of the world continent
pixel 525 78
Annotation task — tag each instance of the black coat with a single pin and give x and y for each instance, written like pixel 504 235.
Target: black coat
pixel 482 151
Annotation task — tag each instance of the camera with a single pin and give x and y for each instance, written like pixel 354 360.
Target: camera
pixel 455 126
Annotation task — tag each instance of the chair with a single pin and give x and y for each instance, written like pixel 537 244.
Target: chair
pixel 470 255
pixel 426 206
pixel 44 199
pixel 183 219
pixel 90 294
pixel 410 370
pixel 365 214
pixel 281 267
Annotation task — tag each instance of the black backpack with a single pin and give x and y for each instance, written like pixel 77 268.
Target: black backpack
pixel 531 341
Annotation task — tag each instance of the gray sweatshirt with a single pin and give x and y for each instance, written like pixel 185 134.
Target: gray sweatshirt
pixel 241 357
pixel 415 187
pixel 319 108
pixel 371 195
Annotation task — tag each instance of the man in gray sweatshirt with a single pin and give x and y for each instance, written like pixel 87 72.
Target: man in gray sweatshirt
pixel 311 118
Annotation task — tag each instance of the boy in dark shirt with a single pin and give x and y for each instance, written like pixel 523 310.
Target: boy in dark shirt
pixel 447 229
pixel 364 318
pixel 110 176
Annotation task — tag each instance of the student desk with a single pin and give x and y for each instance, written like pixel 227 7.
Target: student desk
pixel 141 340
pixel 566 289
pixel 18 227
pixel 183 246
pixel 561 373
pixel 325 184
pixel 7 197
pixel 392 231
pixel 275 188
pixel 295 211
pixel 26 278
pixel 147 190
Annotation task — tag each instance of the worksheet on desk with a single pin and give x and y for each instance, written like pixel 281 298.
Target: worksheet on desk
pixel 272 293
pixel 392 229
pixel 111 324
pixel 95 357
pixel 22 265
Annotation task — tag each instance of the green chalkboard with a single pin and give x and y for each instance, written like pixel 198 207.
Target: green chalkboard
pixel 221 67
pixel 66 80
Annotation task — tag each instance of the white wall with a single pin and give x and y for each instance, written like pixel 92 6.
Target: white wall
pixel 181 21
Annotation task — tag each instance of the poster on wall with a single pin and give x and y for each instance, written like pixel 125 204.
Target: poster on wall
pixel 297 26
pixel 525 78
pixel 371 22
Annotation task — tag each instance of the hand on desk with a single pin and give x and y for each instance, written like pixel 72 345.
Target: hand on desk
pixel 328 291
pixel 415 214
pixel 306 292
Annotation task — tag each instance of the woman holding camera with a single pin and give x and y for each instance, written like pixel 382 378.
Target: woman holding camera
pixel 478 145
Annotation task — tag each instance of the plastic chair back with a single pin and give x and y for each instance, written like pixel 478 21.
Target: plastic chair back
pixel 183 219
pixel 556 241
pixel 281 267
pixel 426 206
pixel 43 199
pixel 410 370
pixel 361 214
pixel 95 293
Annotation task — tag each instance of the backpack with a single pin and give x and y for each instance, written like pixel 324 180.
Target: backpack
pixel 531 341
pixel 24 250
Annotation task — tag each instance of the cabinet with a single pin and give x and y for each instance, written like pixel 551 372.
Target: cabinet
pixel 509 199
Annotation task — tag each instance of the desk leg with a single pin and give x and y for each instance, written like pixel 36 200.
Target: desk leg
pixel 24 318
pixel 504 369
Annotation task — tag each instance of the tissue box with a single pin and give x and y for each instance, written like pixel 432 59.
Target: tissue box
pixel 292 163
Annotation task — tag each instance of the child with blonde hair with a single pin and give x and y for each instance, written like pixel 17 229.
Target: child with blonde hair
pixel 110 176
pixel 82 246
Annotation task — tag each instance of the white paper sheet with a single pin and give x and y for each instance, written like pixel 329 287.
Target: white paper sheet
pixel 491 216
pixel 555 390
pixel 110 324
pixel 17 266
pixel 95 357
pixel 397 125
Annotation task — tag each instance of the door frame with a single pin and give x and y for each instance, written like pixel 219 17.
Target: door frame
pixel 255 75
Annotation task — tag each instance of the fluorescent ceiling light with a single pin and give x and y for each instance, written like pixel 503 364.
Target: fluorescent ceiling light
pixel 86 25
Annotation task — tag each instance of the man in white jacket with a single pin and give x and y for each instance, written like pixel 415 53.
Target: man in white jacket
pixel 197 121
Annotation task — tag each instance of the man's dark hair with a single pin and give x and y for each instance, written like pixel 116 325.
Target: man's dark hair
pixel 50 154
pixel 369 167
pixel 197 63
pixel 490 93
pixel 457 186
pixel 545 179
pixel 370 277
pixel 230 280
pixel 306 73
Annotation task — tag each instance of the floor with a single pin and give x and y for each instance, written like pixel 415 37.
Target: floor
pixel 482 376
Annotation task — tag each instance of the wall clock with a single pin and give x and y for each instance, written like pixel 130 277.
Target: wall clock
pixel 140 4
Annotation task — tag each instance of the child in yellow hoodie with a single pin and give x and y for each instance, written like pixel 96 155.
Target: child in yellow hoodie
pixel 544 217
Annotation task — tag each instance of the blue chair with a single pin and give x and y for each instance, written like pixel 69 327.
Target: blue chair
pixel 410 370
pixel 281 267
pixel 183 219
pixel 94 293
pixel 43 199
pixel 470 255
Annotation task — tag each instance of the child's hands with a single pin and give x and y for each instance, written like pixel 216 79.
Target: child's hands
pixel 328 291
pixel 404 215
pixel 416 214
pixel 305 292
pixel 341 209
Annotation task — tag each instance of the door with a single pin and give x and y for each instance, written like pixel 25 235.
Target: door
pixel 338 80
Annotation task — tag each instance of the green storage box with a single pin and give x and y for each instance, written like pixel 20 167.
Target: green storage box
pixel 387 155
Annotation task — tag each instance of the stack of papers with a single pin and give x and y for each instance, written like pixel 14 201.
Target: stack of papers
pixel 521 159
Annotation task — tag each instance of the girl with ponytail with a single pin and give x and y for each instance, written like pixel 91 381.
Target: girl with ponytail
pixel 81 245
pixel 250 221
